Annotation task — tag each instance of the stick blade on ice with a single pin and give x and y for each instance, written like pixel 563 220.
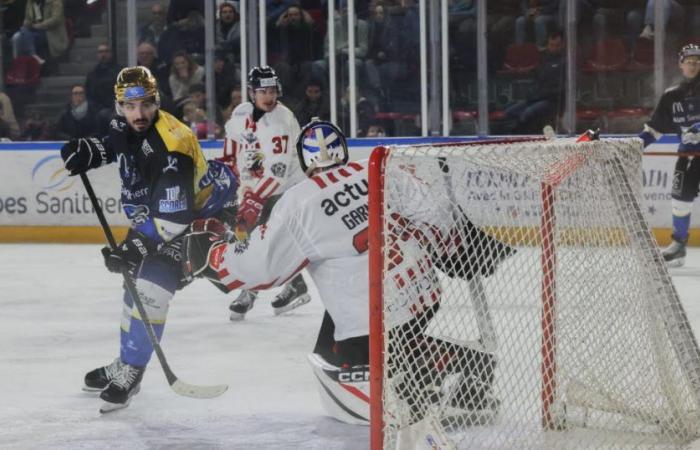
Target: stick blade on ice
pixel 194 391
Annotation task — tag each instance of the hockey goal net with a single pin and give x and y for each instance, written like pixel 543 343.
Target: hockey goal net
pixel 518 299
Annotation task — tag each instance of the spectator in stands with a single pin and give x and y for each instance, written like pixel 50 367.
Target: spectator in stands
pixel 79 119
pixel 540 14
pixel 99 83
pixel 184 73
pixel 314 103
pixel 197 95
pixel 228 31
pixel 543 104
pixel 152 31
pixel 671 9
pixel 610 15
pixel 235 99
pixel 43 33
pixel 147 56
pixel 320 67
pixel 375 130
pixel 296 38
pixel 184 35
pixel 35 127
pixel 275 8
pixel 383 65
pixel 82 15
pixel 180 10
pixel 7 116
pixel 225 78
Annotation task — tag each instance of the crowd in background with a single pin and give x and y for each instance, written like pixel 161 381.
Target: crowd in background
pixel 526 61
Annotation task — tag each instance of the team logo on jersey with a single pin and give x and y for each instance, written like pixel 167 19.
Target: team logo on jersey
pixel 172 164
pixel 174 201
pixel 278 169
pixel 127 169
pixel 117 124
pixel 254 164
pixel 677 185
pixel 137 214
pixel 146 148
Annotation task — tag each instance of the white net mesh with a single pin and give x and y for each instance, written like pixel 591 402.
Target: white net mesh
pixel 525 302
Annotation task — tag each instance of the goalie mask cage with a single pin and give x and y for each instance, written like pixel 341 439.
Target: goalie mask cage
pixel 519 300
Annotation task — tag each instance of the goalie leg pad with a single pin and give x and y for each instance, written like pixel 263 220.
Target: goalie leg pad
pixel 344 391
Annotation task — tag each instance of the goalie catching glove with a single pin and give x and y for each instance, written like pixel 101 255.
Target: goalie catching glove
pixel 81 155
pixel 204 237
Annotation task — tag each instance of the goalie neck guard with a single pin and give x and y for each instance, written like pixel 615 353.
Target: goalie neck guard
pixel 321 145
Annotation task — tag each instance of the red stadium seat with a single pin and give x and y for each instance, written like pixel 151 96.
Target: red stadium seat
pixel 643 55
pixel 24 71
pixel 521 59
pixel 607 56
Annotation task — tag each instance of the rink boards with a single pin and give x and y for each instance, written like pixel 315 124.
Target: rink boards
pixel 39 202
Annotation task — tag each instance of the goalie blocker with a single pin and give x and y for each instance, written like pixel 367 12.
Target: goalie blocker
pixel 306 230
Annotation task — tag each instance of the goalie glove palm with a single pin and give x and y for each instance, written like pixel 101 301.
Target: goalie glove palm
pixel 81 155
pixel 204 237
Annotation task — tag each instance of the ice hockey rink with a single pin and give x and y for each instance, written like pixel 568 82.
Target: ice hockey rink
pixel 59 317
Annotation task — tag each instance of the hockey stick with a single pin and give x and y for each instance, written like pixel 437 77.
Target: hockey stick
pixel 177 385
pixel 484 320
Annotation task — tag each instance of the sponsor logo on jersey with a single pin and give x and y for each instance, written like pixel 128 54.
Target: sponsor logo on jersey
pixel 130 195
pixel 117 124
pixel 146 148
pixel 172 164
pixel 138 214
pixel 173 202
pixel 344 197
pixel 677 107
pixel 278 169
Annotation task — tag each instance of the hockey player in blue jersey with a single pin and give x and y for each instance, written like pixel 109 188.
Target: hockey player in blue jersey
pixel 678 112
pixel 166 184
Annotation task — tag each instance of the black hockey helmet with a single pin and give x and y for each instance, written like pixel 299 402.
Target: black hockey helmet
pixel 261 77
pixel 688 50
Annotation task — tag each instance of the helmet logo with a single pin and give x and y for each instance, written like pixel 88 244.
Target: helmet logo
pixel 268 82
pixel 134 92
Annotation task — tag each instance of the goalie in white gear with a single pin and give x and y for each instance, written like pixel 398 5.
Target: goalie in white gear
pixel 321 224
pixel 259 142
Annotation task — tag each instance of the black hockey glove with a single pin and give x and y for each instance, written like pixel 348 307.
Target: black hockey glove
pixel 128 254
pixel 80 155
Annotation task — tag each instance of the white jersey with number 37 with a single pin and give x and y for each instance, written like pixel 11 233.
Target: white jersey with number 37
pixel 263 153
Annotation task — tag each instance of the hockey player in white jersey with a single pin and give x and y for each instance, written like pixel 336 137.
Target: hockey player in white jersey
pixel 321 224
pixel 259 148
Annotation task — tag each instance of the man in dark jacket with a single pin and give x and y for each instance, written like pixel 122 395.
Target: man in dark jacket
pixel 79 119
pixel 99 83
pixel 543 103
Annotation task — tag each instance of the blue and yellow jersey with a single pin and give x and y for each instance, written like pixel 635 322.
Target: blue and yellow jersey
pixel 166 180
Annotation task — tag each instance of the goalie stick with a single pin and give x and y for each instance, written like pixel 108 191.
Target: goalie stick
pixel 484 321
pixel 177 385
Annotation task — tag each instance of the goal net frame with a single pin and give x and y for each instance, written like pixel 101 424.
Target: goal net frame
pixel 681 335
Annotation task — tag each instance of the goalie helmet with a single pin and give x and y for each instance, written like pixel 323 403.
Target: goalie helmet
pixel 688 50
pixel 262 77
pixel 321 145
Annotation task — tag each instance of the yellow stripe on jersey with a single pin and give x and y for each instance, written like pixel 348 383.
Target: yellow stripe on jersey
pixel 178 137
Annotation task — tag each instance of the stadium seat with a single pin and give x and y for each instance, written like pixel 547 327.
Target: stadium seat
pixel 24 71
pixel 642 56
pixel 521 59
pixel 606 56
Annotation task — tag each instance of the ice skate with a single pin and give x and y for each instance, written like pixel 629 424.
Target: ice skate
pixel 98 379
pixel 292 296
pixel 467 402
pixel 242 304
pixel 123 386
pixel 674 254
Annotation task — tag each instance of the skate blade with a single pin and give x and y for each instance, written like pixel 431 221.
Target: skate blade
pixel 111 407
pixel 297 302
pixel 236 317
pixel 678 262
pixel 92 390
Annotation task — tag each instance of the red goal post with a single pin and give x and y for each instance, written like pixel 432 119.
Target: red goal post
pixel 571 214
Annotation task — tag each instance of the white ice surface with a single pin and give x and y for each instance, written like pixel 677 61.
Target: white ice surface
pixel 59 317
